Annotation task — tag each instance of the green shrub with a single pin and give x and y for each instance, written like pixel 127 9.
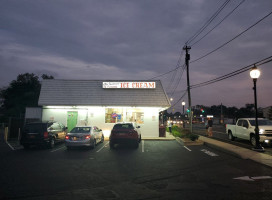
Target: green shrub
pixel 193 137
pixel 183 133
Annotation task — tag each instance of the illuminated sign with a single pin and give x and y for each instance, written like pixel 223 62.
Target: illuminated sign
pixel 133 85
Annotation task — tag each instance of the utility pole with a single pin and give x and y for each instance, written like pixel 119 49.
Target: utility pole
pixel 187 58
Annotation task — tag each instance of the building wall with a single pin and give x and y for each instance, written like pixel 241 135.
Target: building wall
pixel 96 116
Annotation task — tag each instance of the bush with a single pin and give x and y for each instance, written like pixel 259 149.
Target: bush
pixel 193 137
pixel 183 133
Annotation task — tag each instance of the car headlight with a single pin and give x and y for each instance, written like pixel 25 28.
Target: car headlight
pixel 261 131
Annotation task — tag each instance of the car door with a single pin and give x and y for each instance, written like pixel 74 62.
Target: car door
pixel 245 130
pixel 239 129
pixel 62 132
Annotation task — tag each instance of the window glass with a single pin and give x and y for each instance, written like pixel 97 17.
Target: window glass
pixel 261 122
pixel 135 115
pixel 81 130
pixel 123 126
pixel 240 123
pixel 113 115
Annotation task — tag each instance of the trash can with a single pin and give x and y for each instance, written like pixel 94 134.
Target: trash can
pixel 162 131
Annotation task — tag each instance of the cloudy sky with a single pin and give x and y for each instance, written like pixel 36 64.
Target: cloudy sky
pixel 139 40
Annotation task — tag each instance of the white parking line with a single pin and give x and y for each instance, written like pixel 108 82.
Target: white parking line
pixel 142 146
pixel 187 148
pixel 57 149
pixel 102 147
pixel 10 146
pixel 208 152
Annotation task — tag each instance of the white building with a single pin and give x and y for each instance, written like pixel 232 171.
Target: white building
pixel 104 103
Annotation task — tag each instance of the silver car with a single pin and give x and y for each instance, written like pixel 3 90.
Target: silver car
pixel 87 136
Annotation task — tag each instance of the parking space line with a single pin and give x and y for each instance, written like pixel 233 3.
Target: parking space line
pixel 57 149
pixel 208 152
pixel 187 148
pixel 102 147
pixel 142 146
pixel 10 146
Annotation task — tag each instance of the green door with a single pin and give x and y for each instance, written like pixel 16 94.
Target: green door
pixel 71 120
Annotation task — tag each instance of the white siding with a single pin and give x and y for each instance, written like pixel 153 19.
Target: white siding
pixel 96 116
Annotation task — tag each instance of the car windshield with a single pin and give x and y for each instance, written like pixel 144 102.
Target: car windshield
pixel 261 122
pixel 81 130
pixel 123 126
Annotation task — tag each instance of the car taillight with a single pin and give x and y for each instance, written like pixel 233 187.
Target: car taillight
pixel 45 134
pixel 87 136
pixel 67 137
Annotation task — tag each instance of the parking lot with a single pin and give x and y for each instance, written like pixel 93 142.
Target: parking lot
pixel 156 170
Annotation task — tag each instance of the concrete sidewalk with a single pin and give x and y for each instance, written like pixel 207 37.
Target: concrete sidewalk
pixel 238 151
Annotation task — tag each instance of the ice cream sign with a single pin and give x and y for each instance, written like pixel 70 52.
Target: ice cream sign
pixel 132 85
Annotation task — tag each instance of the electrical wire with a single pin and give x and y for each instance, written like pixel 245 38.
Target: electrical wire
pixel 218 23
pixel 234 73
pixel 182 71
pixel 185 92
pixel 177 66
pixel 232 38
pixel 208 22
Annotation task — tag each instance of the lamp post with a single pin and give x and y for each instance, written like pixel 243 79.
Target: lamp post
pixel 255 74
pixel 183 104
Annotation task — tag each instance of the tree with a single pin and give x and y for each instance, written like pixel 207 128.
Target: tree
pixel 270 113
pixel 21 93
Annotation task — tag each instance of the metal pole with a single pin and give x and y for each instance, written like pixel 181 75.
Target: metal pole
pixel 187 58
pixel 258 147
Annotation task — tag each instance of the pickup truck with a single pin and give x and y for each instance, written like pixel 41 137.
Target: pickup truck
pixel 245 129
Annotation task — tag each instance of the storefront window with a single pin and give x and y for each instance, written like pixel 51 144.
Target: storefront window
pixel 135 115
pixel 113 115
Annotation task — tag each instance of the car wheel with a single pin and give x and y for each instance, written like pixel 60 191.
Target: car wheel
pixel 51 143
pixel 253 140
pixel 102 139
pixel 231 136
pixel 140 139
pixel 93 144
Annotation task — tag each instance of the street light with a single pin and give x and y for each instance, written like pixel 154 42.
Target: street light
pixel 183 104
pixel 255 74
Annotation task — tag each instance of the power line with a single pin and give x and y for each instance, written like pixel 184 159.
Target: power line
pixel 208 22
pixel 177 66
pixel 218 23
pixel 232 38
pixel 185 92
pixel 182 71
pixel 234 73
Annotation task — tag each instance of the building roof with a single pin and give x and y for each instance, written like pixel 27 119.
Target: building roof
pixel 56 92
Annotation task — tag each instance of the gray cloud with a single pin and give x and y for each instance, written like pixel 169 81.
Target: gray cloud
pixel 125 39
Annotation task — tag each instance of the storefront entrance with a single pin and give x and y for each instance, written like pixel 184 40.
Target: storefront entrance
pixel 71 119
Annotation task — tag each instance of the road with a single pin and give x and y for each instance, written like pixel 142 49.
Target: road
pixel 156 170
pixel 219 133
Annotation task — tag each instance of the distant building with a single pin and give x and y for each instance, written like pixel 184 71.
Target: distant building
pixel 266 112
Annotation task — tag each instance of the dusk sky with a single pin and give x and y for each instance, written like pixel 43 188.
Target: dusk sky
pixel 139 40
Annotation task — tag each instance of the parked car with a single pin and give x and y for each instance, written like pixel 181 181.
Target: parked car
pixel 245 129
pixel 43 133
pixel 125 133
pixel 87 136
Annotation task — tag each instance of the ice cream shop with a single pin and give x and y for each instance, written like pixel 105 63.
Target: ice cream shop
pixel 103 103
